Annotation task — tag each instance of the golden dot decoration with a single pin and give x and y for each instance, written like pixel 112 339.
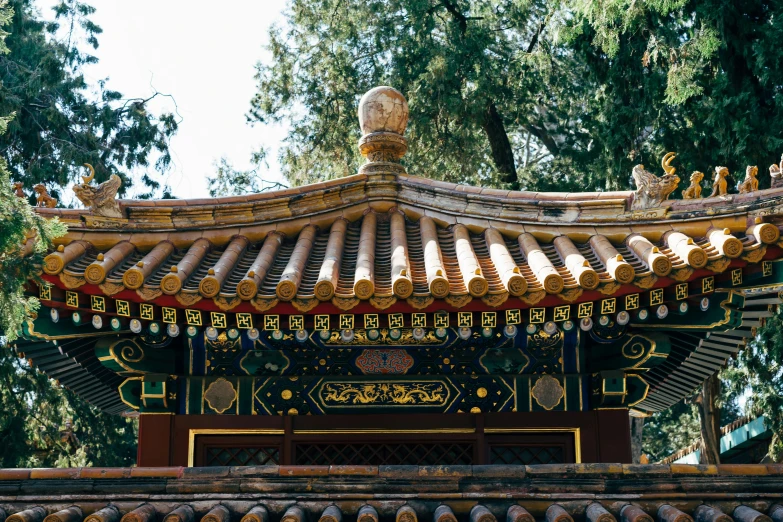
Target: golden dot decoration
pixel 446 360
pixel 481 393
pixel 475 409
pixel 322 362
pixel 286 394
pixel 293 411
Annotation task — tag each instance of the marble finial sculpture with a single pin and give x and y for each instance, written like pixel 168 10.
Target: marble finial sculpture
pixel 383 116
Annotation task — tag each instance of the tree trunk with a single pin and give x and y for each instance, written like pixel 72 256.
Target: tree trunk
pixel 709 420
pixel 637 423
pixel 502 154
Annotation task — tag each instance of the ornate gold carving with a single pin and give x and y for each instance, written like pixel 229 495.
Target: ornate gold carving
pixel 53 264
pixel 247 289
pixel 100 200
pixel 382 303
pixel 570 295
pixel 718 265
pixel 345 303
pixel 226 303
pixel 533 297
pixel 756 255
pixel 71 281
pixel 609 288
pixel 681 274
pixel 403 287
pixel 440 288
pixel 384 393
pixel 776 173
pixel 324 290
pixel 406 339
pixel 420 302
pixel 111 288
pixel 263 304
pixel 363 289
pixel 188 298
pixel 548 392
pixel 95 274
pixel 750 183
pixel 305 305
pixel 652 191
pixel 645 282
pixel 133 278
pixel 719 183
pixel 286 290
pixel 694 189
pixel 458 301
pixel 495 300
pixel 170 283
pixel 148 294
pixel 220 395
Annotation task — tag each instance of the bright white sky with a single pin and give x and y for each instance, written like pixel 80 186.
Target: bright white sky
pixel 203 53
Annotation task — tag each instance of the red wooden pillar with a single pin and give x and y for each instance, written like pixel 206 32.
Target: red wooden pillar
pixel 154 440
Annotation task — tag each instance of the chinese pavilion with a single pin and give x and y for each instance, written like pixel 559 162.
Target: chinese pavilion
pixel 386 319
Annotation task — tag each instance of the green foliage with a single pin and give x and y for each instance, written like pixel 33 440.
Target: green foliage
pixel 61 121
pixel 583 90
pixel 758 373
pixel 33 424
pixel 229 181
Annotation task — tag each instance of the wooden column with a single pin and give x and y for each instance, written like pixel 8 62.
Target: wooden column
pixel 154 449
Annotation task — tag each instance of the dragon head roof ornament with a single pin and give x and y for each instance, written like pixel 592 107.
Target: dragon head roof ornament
pixel 101 199
pixel 651 190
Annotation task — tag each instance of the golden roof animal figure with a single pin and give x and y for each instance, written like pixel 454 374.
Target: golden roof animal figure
pixel 694 189
pixel 719 183
pixel 750 183
pixel 651 190
pixel 100 200
pixel 44 199
pixel 19 189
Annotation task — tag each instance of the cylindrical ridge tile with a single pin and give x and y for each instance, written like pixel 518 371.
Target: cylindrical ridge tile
pixel 331 514
pixel 219 513
pixel 504 263
pixel 468 262
pixel 182 513
pixel 367 514
pixel 135 276
pixel 480 513
pixel 55 262
pixel 705 513
pixel 330 268
pixel 107 514
pixel 517 513
pixel 247 288
pixel 539 263
pixel 433 260
pixel 597 513
pixel 658 263
pixel 96 272
pixel 620 270
pixel 776 513
pixel 748 514
pixel 766 233
pixel 631 513
pixel 364 277
pixel 34 514
pixel 576 263
pixel 211 284
pixel 407 514
pixel 292 274
pixel 669 513
pixel 143 513
pixel 684 247
pixel 257 514
pixel 294 514
pixel 70 514
pixel 402 286
pixel 443 513
pixel 556 513
pixel 726 244
pixel 181 272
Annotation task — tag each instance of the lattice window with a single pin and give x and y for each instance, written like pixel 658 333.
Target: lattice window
pixel 242 456
pixel 515 454
pixel 421 454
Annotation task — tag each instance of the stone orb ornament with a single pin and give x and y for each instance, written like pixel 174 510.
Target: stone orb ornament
pixel 383 109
